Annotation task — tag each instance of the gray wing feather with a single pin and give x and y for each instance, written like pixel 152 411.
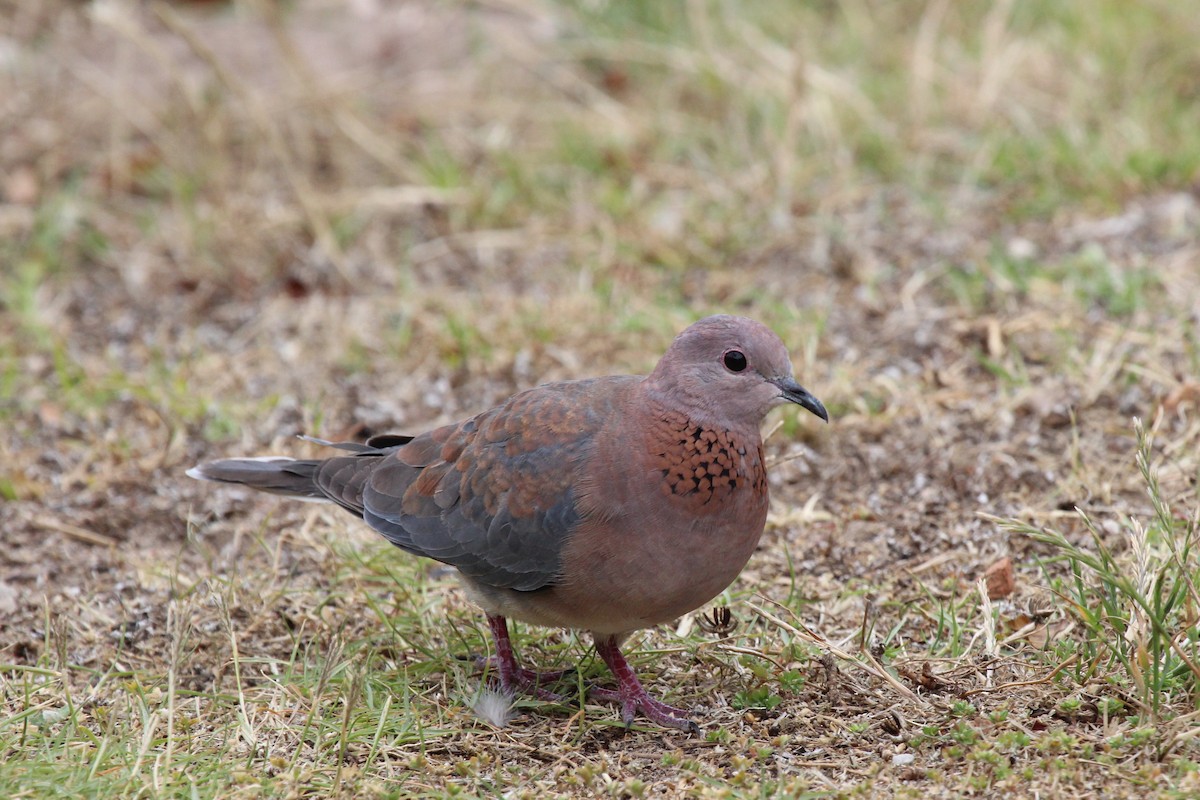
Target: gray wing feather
pixel 493 496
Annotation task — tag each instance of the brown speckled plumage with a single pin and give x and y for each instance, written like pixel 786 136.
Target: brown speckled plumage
pixel 703 462
pixel 607 505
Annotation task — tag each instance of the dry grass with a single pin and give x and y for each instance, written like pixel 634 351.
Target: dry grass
pixel 976 227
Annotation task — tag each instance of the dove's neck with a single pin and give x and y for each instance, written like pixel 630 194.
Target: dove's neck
pixel 697 404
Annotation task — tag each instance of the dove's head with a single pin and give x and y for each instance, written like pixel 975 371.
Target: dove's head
pixel 730 369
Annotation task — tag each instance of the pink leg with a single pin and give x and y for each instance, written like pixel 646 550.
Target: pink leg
pixel 630 694
pixel 512 676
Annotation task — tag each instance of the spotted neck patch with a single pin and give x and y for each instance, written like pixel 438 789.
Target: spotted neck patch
pixel 704 463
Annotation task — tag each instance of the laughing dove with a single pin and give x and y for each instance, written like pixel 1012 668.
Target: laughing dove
pixel 605 505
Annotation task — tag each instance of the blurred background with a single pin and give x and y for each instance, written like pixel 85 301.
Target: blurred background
pixel 222 224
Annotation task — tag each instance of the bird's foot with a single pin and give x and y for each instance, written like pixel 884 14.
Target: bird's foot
pixel 514 678
pixel 511 676
pixel 630 695
pixel 653 710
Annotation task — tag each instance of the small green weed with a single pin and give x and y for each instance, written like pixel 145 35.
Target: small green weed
pixel 1136 607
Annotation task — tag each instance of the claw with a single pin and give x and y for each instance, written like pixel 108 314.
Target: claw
pixel 630 694
pixel 515 679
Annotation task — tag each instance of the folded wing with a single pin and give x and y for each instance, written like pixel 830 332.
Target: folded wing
pixel 491 495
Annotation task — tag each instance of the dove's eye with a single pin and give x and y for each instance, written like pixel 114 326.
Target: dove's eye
pixel 735 360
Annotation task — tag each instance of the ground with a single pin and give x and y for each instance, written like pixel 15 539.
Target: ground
pixel 977 229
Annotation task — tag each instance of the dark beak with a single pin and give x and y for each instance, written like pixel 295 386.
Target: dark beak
pixel 795 393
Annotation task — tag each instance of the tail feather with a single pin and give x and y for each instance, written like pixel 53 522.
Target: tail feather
pixel 275 474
